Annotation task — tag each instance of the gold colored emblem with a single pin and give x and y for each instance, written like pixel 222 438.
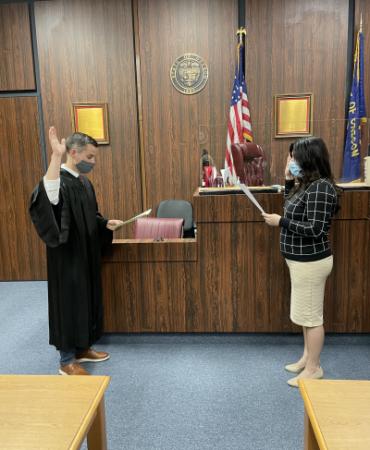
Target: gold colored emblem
pixel 189 73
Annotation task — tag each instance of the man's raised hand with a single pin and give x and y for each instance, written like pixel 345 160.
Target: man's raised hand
pixel 58 148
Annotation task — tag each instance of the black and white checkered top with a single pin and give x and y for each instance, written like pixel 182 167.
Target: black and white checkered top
pixel 306 221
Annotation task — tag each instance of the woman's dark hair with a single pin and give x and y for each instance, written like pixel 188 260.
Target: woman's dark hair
pixel 313 158
pixel 312 155
pixel 291 146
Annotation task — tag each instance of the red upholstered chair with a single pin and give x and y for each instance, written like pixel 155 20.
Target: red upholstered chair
pixel 157 228
pixel 249 162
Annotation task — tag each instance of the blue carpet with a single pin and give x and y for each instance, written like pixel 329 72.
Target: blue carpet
pixel 184 391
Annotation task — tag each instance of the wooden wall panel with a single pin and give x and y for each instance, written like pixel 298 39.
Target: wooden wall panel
pixel 22 254
pixel 244 281
pixel 215 295
pixel 150 286
pixel 134 308
pixel 176 126
pixel 238 281
pixel 279 283
pixel 86 54
pixel 297 46
pixel 16 68
pixel 346 305
pixel 136 250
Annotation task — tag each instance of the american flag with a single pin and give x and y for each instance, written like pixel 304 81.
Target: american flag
pixel 239 127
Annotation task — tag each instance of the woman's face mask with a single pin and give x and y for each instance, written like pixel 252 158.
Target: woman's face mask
pixel 295 169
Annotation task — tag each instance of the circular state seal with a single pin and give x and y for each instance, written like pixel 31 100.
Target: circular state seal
pixel 189 73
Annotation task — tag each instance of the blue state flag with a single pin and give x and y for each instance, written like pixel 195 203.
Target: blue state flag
pixel 356 115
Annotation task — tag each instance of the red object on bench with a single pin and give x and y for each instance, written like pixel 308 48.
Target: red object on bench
pixel 249 162
pixel 157 228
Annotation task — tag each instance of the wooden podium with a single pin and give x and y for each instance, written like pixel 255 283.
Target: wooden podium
pixel 232 278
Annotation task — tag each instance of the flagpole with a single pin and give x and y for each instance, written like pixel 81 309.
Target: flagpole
pixel 239 127
pixel 240 33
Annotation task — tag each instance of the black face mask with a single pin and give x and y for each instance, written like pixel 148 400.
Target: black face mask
pixel 84 166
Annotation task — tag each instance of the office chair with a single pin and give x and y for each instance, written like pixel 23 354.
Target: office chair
pixel 178 208
pixel 249 162
pixel 158 228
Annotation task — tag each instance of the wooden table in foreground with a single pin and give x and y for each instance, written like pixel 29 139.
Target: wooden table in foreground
pixel 52 412
pixel 337 414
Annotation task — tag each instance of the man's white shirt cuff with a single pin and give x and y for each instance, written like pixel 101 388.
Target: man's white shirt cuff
pixel 52 190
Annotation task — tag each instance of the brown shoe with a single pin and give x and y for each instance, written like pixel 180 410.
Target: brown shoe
pixel 91 355
pixel 73 369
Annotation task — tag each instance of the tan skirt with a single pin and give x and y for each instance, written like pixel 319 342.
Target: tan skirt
pixel 307 290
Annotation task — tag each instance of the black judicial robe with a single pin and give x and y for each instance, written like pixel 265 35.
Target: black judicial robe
pixel 74 233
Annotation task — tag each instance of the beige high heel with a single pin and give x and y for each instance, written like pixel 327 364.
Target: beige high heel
pixel 294 368
pixel 314 376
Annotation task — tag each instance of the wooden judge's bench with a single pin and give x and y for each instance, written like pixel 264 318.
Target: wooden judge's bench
pixel 232 277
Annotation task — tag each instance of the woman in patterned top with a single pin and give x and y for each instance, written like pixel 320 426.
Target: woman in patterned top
pixel 310 203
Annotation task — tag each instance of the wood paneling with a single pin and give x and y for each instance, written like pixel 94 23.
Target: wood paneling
pixel 346 303
pixel 293 46
pixel 353 205
pixel 234 208
pixel 22 253
pixel 136 250
pixel 296 46
pixel 244 282
pixel 16 68
pixel 239 282
pixel 86 54
pixel 134 308
pixel 176 126
pixel 148 286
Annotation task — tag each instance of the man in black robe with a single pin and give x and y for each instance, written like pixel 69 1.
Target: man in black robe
pixel 65 213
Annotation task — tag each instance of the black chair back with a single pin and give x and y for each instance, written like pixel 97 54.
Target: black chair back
pixel 180 209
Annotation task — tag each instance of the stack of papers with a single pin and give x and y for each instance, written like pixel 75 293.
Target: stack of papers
pixel 143 214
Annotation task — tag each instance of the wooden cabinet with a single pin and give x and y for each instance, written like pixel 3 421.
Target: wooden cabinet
pixel 232 278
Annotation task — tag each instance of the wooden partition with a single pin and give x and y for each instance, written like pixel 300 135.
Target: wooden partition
pixel 16 68
pixel 232 278
pixel 175 127
pixel 121 52
pixel 149 286
pixel 297 47
pixel 22 254
pixel 86 54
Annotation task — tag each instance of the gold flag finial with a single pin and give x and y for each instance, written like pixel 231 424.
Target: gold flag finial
pixel 241 31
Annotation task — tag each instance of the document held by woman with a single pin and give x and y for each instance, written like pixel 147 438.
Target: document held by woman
pixel 251 197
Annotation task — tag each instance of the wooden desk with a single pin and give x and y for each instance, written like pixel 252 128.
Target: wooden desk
pixel 337 414
pixel 232 277
pixel 52 412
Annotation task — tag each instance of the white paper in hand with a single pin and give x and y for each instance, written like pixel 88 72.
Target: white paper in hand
pixel 251 197
pixel 143 214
